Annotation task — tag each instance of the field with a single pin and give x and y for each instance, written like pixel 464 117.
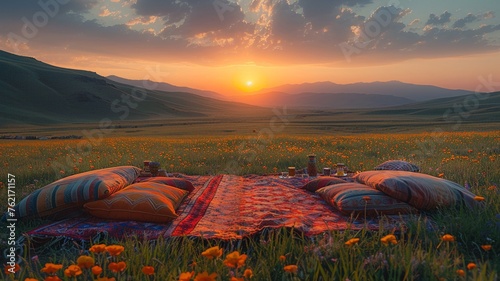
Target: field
pixel 420 252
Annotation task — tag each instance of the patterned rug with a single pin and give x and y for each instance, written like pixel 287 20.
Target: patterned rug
pixel 226 207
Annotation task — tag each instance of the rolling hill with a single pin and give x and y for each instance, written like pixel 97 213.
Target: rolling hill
pixel 34 92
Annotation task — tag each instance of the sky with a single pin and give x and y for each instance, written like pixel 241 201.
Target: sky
pixel 239 46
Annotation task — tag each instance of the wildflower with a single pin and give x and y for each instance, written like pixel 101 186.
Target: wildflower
pixel 248 273
pixel 204 276
pixel 11 270
pixel 52 278
pixel 486 247
pixel 236 279
pixel 85 261
pixel 292 268
pixel 389 239
pixel 51 268
pixel 448 238
pixel 471 266
pixel 441 175
pixel 105 279
pixel 282 258
pixel 479 198
pixel 96 270
pixel 114 250
pixel 492 187
pixel 235 260
pixel 461 272
pixel 73 271
pixel 186 276
pixel 117 267
pixel 352 241
pixel 30 279
pixel 213 252
pixel 99 248
pixel 148 270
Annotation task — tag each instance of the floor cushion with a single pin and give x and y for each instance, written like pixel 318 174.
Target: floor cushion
pixel 63 197
pixel 176 182
pixel 359 199
pixel 320 182
pixel 398 165
pixel 422 191
pixel 144 201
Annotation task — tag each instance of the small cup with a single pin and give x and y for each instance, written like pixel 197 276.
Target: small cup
pixel 327 171
pixel 291 171
pixel 284 175
pixel 146 165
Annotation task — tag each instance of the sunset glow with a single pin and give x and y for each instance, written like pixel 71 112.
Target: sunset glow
pixel 242 46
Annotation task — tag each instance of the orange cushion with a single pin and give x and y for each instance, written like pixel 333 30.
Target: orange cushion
pixel 422 191
pixel 67 195
pixel 145 201
pixel 175 182
pixel 321 182
pixel 358 199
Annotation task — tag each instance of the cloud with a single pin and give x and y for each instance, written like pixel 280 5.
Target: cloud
pixel 439 20
pixel 142 21
pixel 105 12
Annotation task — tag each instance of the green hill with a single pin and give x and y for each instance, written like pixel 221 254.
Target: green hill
pixel 34 92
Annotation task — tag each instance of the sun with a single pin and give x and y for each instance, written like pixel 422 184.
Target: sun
pixel 249 83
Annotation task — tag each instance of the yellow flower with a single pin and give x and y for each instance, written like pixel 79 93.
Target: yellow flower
pixel 352 241
pixel 486 247
pixel 73 271
pixel 148 270
pixel 448 238
pixel 96 270
pixel 389 239
pixel 204 276
pixel 85 262
pixel 248 273
pixel 115 250
pixel 479 198
pixel 99 248
pixel 292 268
pixel 186 276
pixel 51 268
pixel 235 260
pixel 471 266
pixel 461 272
pixel 213 252
pixel 282 258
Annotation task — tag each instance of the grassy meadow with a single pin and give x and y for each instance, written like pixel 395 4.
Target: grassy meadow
pixel 422 251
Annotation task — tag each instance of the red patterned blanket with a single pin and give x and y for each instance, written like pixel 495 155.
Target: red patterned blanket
pixel 225 207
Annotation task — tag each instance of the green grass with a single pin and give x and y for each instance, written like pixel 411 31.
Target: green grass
pixel 419 254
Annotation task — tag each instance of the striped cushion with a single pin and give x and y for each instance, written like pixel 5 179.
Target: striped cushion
pixel 62 197
pixel 144 201
pixel 398 165
pixel 422 191
pixel 360 199
pixel 175 182
pixel 320 182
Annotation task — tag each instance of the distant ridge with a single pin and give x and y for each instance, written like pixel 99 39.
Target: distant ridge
pixel 161 86
pixel 33 92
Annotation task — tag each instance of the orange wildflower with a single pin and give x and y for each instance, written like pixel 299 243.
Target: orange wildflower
pixel 11 270
pixel 52 278
pixel 85 261
pixel 292 268
pixel 248 273
pixel 115 250
pixel 235 260
pixel 30 279
pixel 204 276
pixel 486 247
pixel 99 248
pixel 461 272
pixel 117 266
pixel 148 270
pixel 352 241
pixel 236 279
pixel 105 279
pixel 471 266
pixel 282 258
pixel 479 198
pixel 51 268
pixel 389 239
pixel 186 276
pixel 448 238
pixel 213 252
pixel 73 271
pixel 96 270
